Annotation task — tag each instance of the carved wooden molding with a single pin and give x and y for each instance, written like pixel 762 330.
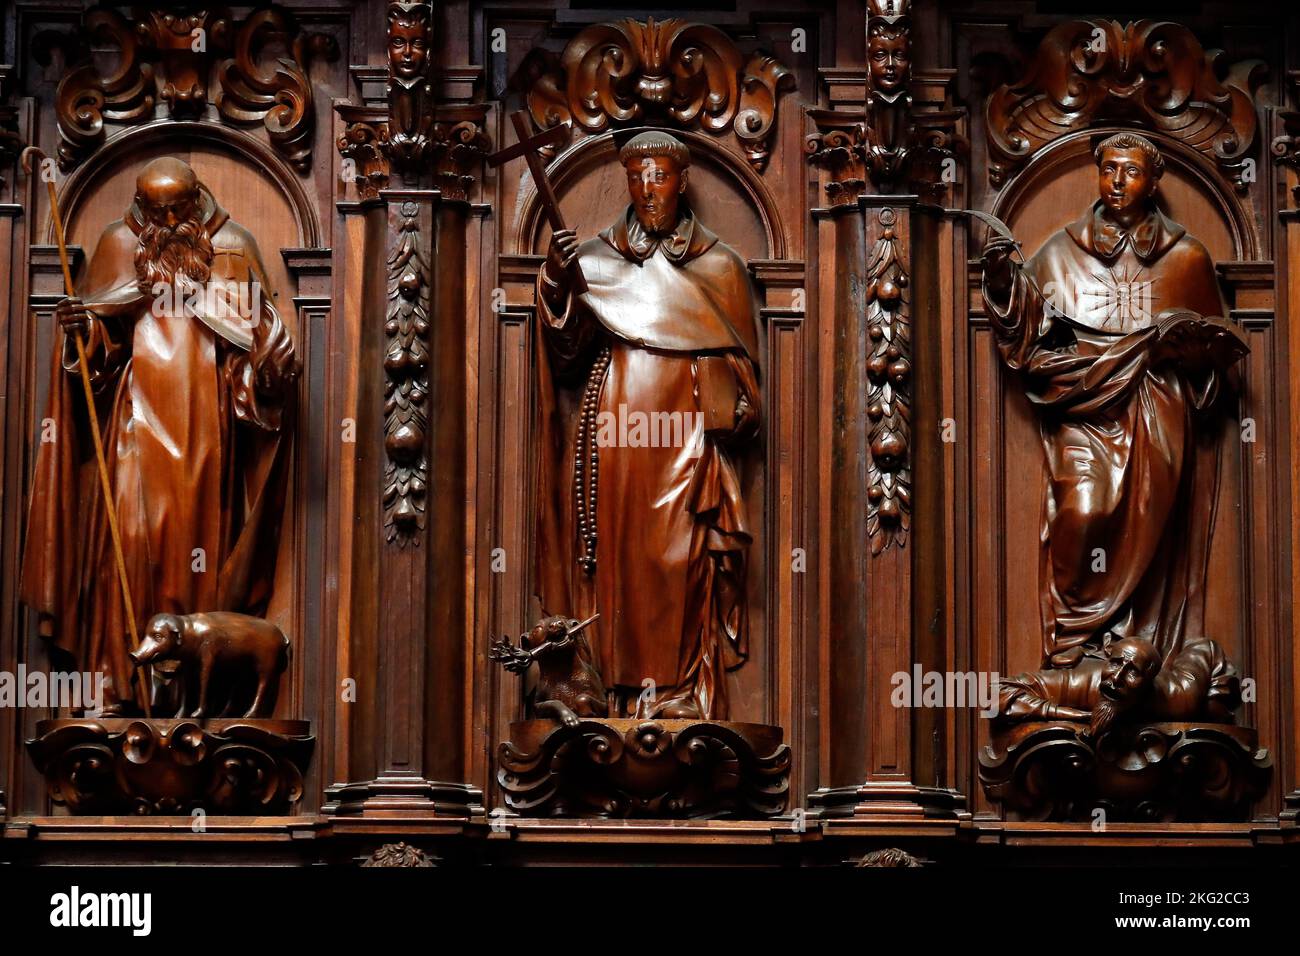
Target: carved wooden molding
pixel 11 144
pixel 169 57
pixel 673 72
pixel 888 297
pixel 1148 74
pixel 406 387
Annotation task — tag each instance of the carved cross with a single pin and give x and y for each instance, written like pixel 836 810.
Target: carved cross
pixel 530 148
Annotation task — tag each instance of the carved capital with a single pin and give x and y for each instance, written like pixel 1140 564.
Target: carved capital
pixel 1147 74
pixel 457 146
pixel 1286 146
pixel 365 159
pixel 839 145
pixel 670 72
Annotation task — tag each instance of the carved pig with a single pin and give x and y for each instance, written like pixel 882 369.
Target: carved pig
pixel 219 647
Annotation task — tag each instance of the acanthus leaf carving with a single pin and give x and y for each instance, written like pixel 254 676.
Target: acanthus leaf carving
pixel 168 57
pixel 280 97
pixel 1151 74
pixel 671 71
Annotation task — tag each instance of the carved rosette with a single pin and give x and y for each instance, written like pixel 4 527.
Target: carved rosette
pixel 1160 772
pixel 398 855
pixel 1148 74
pixel 672 72
pixel 840 146
pixel 890 857
pixel 124 766
pixel 644 768
pixel 888 297
pixel 406 388
pixel 169 57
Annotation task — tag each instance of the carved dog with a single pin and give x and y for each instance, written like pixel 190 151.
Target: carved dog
pixel 218 647
pixel 568 685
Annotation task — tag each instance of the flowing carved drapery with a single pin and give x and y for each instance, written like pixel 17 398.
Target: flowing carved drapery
pixel 671 71
pixel 170 57
pixel 1149 74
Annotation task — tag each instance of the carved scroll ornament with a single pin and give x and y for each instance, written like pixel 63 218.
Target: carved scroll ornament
pixel 1149 73
pixel 671 71
pixel 170 57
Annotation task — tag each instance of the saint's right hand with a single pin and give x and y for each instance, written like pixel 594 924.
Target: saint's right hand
pixel 73 316
pixel 560 257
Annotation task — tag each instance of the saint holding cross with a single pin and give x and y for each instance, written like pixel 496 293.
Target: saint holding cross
pixel 653 321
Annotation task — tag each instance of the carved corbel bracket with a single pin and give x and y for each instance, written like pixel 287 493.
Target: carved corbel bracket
pixel 1148 74
pixel 672 72
pixel 1286 146
pixel 169 57
pixel 457 145
pixel 840 146
pixel 362 147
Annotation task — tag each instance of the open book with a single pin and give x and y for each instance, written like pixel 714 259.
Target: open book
pixel 1194 341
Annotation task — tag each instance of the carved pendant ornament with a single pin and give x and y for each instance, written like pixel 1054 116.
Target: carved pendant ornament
pixel 1147 73
pixel 406 390
pixel 170 58
pixel 889 373
pixel 672 71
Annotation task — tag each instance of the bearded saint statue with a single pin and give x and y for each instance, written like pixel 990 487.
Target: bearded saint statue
pixel 194 374
pixel 652 535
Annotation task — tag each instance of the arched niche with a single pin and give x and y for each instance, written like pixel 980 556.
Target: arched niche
pixel 734 202
pixel 1059 183
pixel 1054 188
pixel 245 176
pixel 260 193
pixel 723 190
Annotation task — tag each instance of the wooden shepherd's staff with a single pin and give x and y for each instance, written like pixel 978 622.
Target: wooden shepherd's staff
pixel 33 156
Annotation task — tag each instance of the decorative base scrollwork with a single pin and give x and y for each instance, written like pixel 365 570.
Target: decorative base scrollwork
pixel 1159 772
pixel 644 768
pixel 115 766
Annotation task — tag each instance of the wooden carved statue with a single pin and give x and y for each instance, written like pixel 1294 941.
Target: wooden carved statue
pixel 241 655
pixel 641 517
pixel 568 686
pixel 1114 324
pixel 195 375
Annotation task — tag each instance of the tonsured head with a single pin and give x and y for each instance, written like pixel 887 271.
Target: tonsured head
pixel 656 166
pixel 1129 167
